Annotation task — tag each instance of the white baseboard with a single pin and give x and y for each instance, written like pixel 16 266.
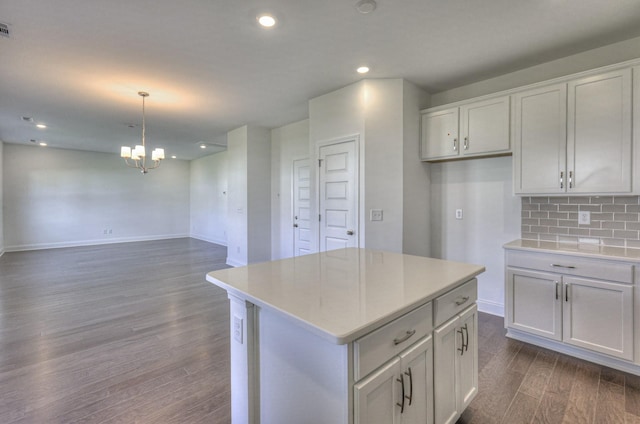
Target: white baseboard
pixel 214 240
pixel 79 243
pixel 234 264
pixel 490 307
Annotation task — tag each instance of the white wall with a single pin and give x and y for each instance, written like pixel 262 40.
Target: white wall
pixel 208 195
pixel 249 196
pixel 1 199
pixel 416 176
pixel 590 59
pixel 482 188
pixel 288 143
pixel 55 198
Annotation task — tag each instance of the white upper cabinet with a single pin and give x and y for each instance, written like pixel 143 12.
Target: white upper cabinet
pixel 474 129
pixel 540 143
pixel 575 137
pixel 599 133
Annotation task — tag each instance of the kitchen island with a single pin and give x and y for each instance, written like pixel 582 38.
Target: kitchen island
pixel 348 336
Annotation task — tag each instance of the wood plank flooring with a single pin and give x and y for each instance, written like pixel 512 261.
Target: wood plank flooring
pixel 120 333
pixel 521 383
pixel 132 333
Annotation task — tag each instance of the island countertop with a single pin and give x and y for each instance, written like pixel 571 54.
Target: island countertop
pixel 343 294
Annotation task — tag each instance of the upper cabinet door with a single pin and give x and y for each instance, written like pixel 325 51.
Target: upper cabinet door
pixel 540 140
pixel 599 133
pixel 440 135
pixel 485 127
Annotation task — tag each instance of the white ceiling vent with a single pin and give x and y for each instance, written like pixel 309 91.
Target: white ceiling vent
pixel 4 30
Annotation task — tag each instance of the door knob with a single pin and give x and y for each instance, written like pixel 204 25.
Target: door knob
pixel 295 225
pixel 350 232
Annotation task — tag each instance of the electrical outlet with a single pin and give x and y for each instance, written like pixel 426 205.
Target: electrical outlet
pixel 104 231
pixel 110 231
pixel 237 329
pixel 584 217
pixel 376 214
pixel 458 213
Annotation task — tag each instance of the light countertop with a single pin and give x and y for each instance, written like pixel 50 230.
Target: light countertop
pixel 576 249
pixel 343 294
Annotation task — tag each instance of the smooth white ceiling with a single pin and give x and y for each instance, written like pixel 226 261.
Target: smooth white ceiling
pixel 77 65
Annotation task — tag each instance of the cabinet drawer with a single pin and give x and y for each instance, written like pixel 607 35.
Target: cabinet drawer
pixel 456 301
pixel 571 265
pixel 374 349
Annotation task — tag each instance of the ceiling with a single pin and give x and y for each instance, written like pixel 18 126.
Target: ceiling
pixel 77 65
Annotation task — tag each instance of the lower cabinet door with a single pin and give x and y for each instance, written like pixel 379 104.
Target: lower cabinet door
pixel 468 357
pixel 376 398
pixel 534 302
pixel 416 364
pixel 598 315
pixel 446 340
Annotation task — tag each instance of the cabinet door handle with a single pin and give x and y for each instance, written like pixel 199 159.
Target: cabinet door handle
pixel 404 338
pixel 462 301
pixel 466 332
pixel 561 179
pixel 461 348
pixel 557 290
pixel 566 292
pixel 563 266
pixel 466 143
pixel 408 372
pixel 401 381
pixel 570 179
pixel 455 144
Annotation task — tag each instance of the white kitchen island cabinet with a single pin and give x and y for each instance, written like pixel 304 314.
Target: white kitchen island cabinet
pixel 341 337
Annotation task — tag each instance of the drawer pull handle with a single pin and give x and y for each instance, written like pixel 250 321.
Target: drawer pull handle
pixel 410 397
pixel 563 266
pixel 401 381
pixel 462 301
pixel 404 338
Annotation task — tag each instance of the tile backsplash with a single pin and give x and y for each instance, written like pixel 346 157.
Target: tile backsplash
pixel 614 219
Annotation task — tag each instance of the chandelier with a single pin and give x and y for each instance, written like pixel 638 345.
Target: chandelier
pixel 136 157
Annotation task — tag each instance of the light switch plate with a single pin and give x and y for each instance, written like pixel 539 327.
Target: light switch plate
pixel 376 214
pixel 458 213
pixel 237 329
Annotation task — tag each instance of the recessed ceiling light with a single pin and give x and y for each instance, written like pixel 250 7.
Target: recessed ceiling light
pixel 203 146
pixel 42 143
pixel 41 126
pixel 363 69
pixel 173 157
pixel 266 21
pixel 366 6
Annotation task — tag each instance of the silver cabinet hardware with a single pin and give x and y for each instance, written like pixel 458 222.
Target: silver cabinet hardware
pixel 557 284
pixel 401 381
pixel 404 338
pixel 295 225
pixel 570 179
pixel 566 292
pixel 561 179
pixel 462 301
pixel 466 143
pixel 350 232
pixel 455 144
pixel 466 332
pixel 408 372
pixel 563 266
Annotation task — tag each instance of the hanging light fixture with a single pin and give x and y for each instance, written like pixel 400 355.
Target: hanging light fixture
pixel 138 154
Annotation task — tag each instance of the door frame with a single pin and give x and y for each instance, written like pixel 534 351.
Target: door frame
pixel 359 168
pixel 292 211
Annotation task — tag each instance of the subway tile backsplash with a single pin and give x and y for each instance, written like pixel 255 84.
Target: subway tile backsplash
pixel 615 220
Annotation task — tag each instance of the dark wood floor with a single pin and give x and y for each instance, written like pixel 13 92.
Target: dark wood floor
pixel 131 333
pixel 521 383
pixel 121 333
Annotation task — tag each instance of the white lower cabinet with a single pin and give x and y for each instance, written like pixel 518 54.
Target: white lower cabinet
pixel 400 391
pixel 455 365
pixel 568 306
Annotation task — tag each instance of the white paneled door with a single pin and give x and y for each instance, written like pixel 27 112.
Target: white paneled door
pixel 338 180
pixel 301 207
